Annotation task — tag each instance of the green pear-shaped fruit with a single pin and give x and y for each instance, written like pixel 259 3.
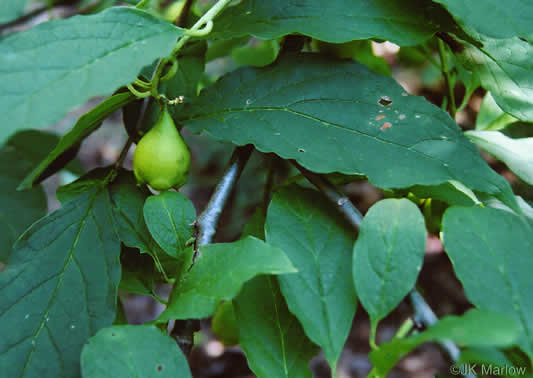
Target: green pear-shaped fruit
pixel 162 158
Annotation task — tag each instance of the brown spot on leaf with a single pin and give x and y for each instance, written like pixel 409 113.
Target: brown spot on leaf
pixel 385 126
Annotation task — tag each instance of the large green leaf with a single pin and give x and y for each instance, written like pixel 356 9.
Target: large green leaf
pixel 494 18
pixel 219 274
pixel 475 328
pixel 516 153
pixel 319 243
pixel 388 256
pixel 340 21
pixel 337 116
pixel 492 253
pixel 505 68
pixel 57 65
pixel 11 10
pixel 18 210
pixel 133 351
pixel 60 286
pixel 170 218
pixel 271 337
pixel 71 141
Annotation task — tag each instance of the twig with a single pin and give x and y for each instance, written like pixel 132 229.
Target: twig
pixel 207 221
pixel 183 330
pixel 423 312
pixel 341 201
pixel 425 316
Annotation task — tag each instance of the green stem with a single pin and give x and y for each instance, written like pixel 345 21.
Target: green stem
pixel 204 21
pixel 372 337
pixel 447 78
pixel 404 329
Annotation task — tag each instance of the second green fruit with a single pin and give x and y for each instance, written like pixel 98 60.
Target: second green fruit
pixel 162 158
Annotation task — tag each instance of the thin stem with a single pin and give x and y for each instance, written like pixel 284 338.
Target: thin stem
pixel 341 201
pixel 404 329
pixel 425 316
pixel 372 337
pixel 447 77
pixel 206 20
pixel 207 221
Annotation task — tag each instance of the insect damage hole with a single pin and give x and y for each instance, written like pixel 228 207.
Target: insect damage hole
pixel 159 367
pixel 385 101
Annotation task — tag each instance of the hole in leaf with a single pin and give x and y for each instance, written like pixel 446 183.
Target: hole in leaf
pixel 385 101
pixel 159 367
pixel 301 150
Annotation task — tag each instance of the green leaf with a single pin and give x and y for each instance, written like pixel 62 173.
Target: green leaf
pixel 491 116
pixel 128 200
pixel 360 50
pixel 337 116
pixel 138 272
pixel 170 217
pixel 220 48
pixel 493 18
pixel 18 210
pixel 11 10
pixel 388 256
pixel 71 141
pixel 59 287
pixel 256 225
pixel 219 273
pixel 484 355
pixel 475 328
pixel 505 68
pixel 451 192
pixel 36 144
pixel 517 154
pixel 127 350
pixel 272 338
pixel 224 325
pixel 319 243
pixel 258 53
pixel 86 56
pixel 403 23
pixel 492 260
